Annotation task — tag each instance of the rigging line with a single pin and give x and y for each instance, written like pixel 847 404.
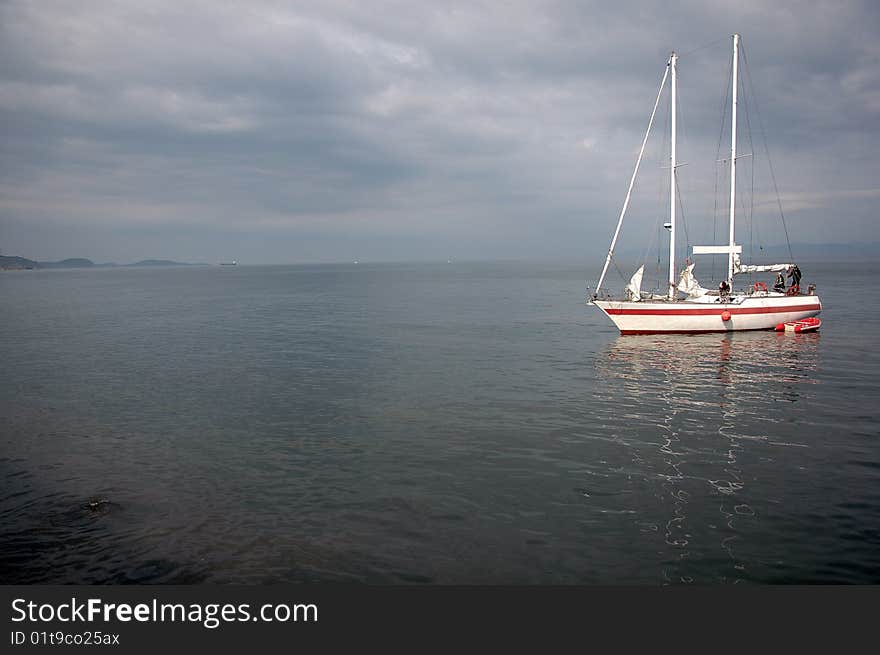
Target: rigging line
pixel 684 141
pixel 715 217
pixel 653 245
pixel 703 47
pixel 742 203
pixel 751 215
pixel 663 157
pixel 752 227
pixel 758 236
pixel 655 239
pixel 619 272
pixel 632 180
pixel 724 104
pixel 767 151
pixel 687 237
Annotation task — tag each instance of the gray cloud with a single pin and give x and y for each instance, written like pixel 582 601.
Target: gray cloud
pixel 280 132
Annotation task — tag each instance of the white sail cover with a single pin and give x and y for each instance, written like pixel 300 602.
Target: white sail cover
pixel 688 284
pixel 634 288
pixel 739 267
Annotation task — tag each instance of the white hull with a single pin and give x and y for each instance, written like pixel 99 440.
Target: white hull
pixel 742 312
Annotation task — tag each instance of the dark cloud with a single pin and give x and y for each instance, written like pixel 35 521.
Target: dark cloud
pixel 276 132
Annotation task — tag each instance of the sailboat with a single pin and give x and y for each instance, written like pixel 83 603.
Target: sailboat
pixel 687 307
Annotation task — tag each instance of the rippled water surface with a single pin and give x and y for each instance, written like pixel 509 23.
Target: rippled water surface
pixel 449 423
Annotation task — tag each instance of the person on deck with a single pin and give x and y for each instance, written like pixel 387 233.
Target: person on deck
pixel 723 290
pixel 780 283
pixel 795 274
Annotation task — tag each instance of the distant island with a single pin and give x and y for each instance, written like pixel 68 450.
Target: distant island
pixel 21 263
pixel 161 262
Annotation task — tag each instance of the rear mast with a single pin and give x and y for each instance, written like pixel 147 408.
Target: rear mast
pixel 673 59
pixel 733 161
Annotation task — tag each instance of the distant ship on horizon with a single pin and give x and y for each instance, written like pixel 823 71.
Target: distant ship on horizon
pixel 232 263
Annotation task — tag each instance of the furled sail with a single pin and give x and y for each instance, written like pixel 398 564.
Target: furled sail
pixel 634 288
pixel 688 284
pixel 739 267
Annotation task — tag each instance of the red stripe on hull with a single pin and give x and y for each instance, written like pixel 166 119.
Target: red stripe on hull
pixel 628 332
pixel 713 311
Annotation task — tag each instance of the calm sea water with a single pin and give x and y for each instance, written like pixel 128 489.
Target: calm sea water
pixel 448 423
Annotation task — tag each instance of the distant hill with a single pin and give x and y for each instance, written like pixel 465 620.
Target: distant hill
pixel 17 263
pixel 74 262
pixel 159 262
pixel 21 262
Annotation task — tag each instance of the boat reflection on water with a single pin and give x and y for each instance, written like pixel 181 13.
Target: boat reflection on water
pixel 704 417
pixel 745 360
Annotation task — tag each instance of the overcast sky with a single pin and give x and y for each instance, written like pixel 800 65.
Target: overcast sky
pixel 284 132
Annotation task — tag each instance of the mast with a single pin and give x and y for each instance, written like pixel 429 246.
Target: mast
pixel 731 250
pixel 673 59
pixel 733 159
